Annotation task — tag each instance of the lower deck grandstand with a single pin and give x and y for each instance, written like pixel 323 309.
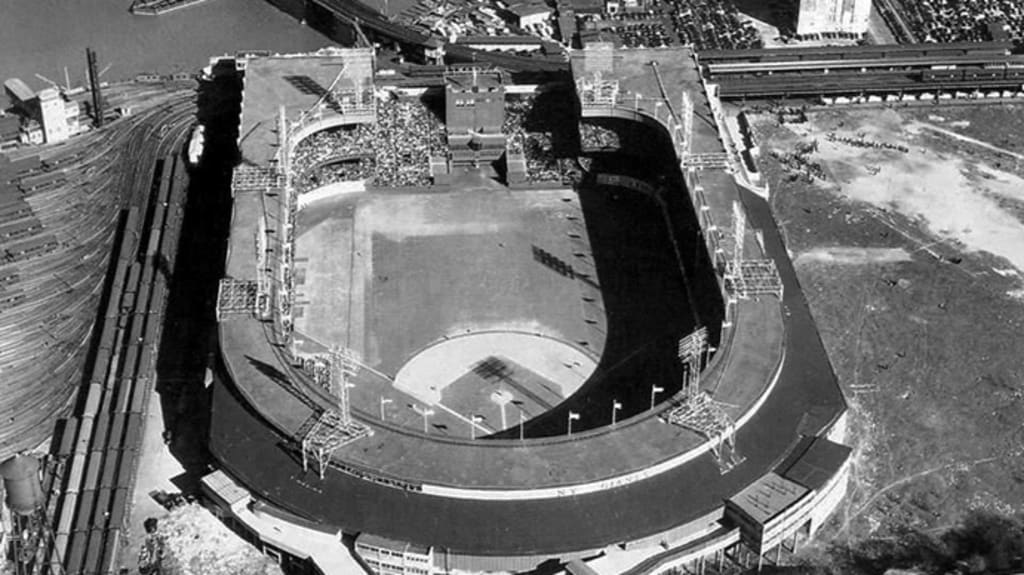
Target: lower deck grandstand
pixel 370 152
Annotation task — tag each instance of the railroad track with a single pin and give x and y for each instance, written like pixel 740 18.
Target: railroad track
pixel 59 232
pixel 94 465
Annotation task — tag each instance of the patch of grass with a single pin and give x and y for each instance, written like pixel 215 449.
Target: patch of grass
pixel 928 352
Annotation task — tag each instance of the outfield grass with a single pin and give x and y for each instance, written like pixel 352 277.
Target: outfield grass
pixel 452 264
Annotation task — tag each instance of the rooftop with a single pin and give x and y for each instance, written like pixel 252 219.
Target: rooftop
pixel 814 461
pixel 768 496
pixel 19 89
pixel 296 82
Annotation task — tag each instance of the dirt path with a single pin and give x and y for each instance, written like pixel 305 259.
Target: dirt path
pixel 970 140
pixel 848 519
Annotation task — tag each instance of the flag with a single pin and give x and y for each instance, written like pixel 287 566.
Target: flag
pixel 657 389
pixel 616 405
pixel 573 416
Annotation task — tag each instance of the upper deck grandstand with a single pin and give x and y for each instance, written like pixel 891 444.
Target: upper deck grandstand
pixel 430 320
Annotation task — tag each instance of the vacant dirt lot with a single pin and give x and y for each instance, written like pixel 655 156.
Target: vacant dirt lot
pixel 912 259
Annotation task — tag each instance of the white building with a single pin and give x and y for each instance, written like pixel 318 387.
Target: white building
pixel 529 13
pixel 833 18
pixel 58 116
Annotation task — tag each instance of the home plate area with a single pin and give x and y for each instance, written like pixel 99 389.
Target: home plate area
pixel 494 379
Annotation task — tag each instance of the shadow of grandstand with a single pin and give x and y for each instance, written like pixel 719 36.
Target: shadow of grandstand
pixel 279 377
pixel 554 113
pixel 189 328
pixel 645 289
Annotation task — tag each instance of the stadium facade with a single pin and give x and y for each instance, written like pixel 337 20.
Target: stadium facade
pixel 738 454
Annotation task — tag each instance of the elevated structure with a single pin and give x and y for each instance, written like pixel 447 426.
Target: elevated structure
pixel 751 277
pixel 334 427
pixel 474 113
pixel 885 71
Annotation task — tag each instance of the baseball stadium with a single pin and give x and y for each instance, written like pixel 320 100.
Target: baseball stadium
pixel 476 325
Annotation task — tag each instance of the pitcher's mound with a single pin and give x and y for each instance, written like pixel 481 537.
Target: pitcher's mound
pixel 525 365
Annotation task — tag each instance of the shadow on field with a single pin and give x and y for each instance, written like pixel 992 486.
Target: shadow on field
pixel 644 288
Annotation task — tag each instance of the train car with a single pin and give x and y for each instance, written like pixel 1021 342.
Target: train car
pixel 75 556
pixel 146 356
pixel 133 432
pixel 92 472
pixel 101 429
pixel 119 504
pixel 83 515
pixel 83 437
pixel 116 435
pixel 124 391
pixel 104 495
pixel 140 394
pixel 92 400
pixel 101 366
pixel 67 438
pixel 111 547
pixel 108 479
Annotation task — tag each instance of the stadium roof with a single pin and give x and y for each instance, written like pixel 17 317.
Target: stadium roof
pixel 813 461
pixel 297 83
pixel 768 496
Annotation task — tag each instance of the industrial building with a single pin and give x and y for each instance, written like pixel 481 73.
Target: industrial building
pixel 48 116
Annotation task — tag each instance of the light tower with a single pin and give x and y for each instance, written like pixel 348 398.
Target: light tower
pixel 739 230
pixel 691 355
pixel 334 427
pixel 344 363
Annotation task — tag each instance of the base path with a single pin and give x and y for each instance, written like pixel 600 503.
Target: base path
pixel 440 364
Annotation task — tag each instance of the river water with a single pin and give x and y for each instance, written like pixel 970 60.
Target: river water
pixel 44 36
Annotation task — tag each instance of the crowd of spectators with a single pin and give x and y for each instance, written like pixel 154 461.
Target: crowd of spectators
pixel 702 24
pixel 328 156
pixel 962 20
pixel 594 137
pixel 394 152
pixel 408 135
pixel 358 169
pixel 538 143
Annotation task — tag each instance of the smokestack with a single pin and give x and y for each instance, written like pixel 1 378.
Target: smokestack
pixel 94 85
